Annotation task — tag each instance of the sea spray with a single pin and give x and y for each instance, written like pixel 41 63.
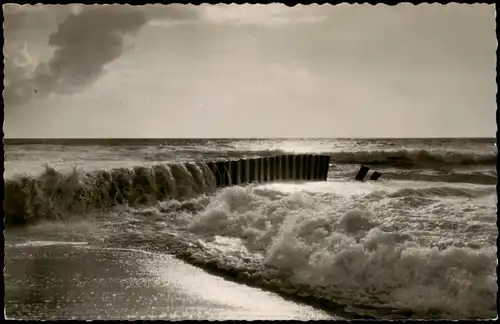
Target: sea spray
pixel 341 250
pixel 53 195
pixel 390 248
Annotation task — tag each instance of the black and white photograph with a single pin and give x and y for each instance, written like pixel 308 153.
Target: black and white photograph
pixel 250 161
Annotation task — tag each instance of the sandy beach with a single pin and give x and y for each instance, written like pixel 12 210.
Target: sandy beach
pixel 68 280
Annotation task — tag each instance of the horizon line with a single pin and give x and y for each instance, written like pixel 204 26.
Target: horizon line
pixel 237 138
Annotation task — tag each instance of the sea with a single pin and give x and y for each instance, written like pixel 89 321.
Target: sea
pixel 137 229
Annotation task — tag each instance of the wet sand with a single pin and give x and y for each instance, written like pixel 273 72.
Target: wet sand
pixel 54 280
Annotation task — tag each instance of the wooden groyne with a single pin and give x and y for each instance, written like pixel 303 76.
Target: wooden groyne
pixel 310 167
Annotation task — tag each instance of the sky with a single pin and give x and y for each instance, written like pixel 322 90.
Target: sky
pixel 246 71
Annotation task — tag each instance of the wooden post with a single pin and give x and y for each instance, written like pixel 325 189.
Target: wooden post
pixel 318 167
pixel 312 166
pixel 235 169
pixel 279 168
pixel 272 169
pixel 327 167
pixel 308 167
pixel 265 169
pixel 253 169
pixel 219 176
pixel 261 170
pixel 298 170
pixel 290 166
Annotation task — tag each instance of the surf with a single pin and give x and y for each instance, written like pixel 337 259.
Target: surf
pixel 54 194
pixel 381 249
pixel 354 251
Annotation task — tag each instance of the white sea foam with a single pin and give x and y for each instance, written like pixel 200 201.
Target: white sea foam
pixel 47 243
pixel 425 247
pixel 361 244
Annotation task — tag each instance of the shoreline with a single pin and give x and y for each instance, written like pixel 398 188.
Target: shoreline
pixel 132 284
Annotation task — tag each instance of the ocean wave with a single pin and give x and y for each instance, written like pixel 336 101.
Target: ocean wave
pixel 414 158
pixel 475 177
pixel 203 154
pixel 378 254
pixel 382 158
pixel 152 153
pixel 53 195
pixel 443 192
pixel 395 158
pixel 449 174
pixel 378 261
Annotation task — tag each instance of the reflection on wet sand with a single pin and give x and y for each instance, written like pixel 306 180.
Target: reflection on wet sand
pixel 60 281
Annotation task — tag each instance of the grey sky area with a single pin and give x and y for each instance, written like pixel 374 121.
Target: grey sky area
pixel 250 71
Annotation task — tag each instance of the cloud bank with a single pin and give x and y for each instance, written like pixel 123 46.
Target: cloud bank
pixel 89 38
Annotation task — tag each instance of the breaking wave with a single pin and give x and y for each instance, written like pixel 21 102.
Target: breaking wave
pixel 414 158
pixel 487 176
pixel 395 158
pixel 195 153
pixel 360 254
pixel 394 254
pixel 54 194
pixel 443 192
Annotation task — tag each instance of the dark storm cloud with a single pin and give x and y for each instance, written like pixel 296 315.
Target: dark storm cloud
pixel 84 44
